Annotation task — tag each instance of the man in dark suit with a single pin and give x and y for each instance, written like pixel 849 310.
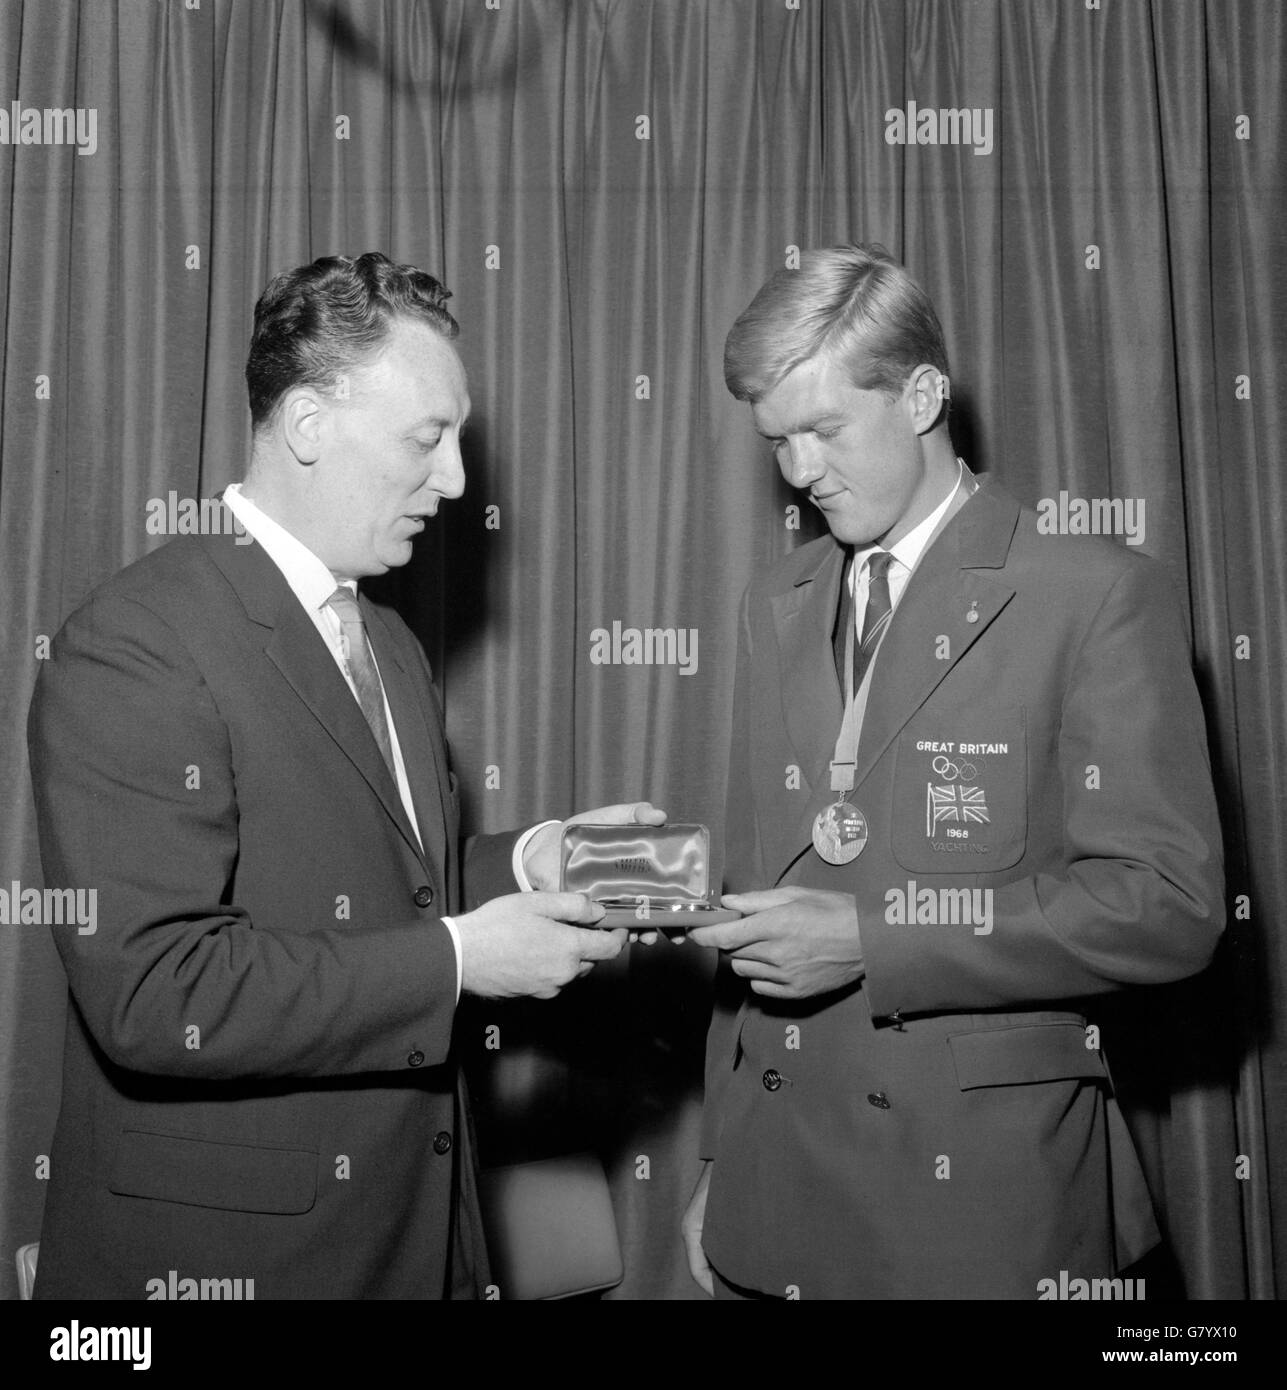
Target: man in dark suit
pixel 968 791
pixel 245 758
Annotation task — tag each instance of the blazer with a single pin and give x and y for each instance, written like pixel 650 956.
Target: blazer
pixel 258 1081
pixel 1042 829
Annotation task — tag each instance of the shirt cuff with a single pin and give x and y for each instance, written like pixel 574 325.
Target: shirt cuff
pixel 455 941
pixel 520 848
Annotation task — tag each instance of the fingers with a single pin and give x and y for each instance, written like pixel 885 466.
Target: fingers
pixel 757 970
pixel 600 945
pixel 729 936
pixel 575 908
pixel 713 938
pixel 623 813
pixel 748 903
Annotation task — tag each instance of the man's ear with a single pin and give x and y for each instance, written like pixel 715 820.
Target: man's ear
pixel 300 415
pixel 927 393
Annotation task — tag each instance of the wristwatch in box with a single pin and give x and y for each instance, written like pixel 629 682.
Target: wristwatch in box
pixel 649 877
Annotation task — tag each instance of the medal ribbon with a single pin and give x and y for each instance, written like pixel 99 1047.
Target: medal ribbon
pixel 845 759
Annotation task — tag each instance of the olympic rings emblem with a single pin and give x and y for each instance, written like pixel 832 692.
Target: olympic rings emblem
pixel 950 771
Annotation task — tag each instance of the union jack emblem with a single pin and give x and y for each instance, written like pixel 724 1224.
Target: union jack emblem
pixel 953 803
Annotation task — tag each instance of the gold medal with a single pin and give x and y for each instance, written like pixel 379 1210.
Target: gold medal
pixel 840 833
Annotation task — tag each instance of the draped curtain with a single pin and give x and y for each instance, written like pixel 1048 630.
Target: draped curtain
pixel 603 184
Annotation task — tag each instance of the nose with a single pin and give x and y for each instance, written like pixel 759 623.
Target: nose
pixel 448 476
pixel 800 463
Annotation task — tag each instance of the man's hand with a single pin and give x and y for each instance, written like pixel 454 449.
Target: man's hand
pixel 792 943
pixel 519 946
pixel 691 1227
pixel 541 857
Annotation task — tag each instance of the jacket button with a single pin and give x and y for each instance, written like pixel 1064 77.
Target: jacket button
pixel 416 1058
pixel 879 1099
pixel 442 1142
pixel 423 895
pixel 772 1079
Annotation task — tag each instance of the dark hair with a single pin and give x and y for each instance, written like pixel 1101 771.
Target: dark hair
pixel 853 303
pixel 318 322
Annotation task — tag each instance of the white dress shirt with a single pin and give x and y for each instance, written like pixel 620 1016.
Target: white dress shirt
pixel 313 584
pixel 906 553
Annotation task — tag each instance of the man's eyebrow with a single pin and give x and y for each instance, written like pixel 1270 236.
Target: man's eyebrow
pixel 436 422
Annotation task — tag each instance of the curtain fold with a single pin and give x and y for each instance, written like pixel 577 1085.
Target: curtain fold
pixel 603 186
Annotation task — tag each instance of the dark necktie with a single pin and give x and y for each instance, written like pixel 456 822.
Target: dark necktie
pixel 361 667
pixel 875 618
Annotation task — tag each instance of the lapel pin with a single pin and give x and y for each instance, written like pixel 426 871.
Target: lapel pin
pixel 973 615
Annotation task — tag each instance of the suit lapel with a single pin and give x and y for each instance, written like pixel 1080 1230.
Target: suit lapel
pixel 420 738
pixel 804 618
pixel 931 631
pixel 296 648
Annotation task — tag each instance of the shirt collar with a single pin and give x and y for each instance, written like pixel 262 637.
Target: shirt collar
pixel 310 580
pixel 908 551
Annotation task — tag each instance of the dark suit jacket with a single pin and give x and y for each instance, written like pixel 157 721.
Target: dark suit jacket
pixel 258 1080
pixel 947 1128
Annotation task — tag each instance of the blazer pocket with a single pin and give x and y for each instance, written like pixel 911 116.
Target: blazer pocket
pixel 961 792
pixel 206 1173
pixel 1022 1055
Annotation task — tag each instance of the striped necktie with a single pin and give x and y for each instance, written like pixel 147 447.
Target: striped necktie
pixel 360 662
pixel 876 618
